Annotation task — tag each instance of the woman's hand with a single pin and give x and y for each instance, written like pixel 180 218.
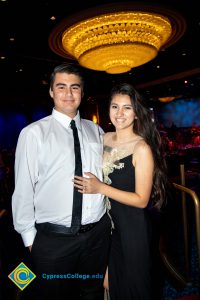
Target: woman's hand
pixel 105 282
pixel 88 185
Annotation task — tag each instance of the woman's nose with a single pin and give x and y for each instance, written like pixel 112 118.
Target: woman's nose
pixel 120 112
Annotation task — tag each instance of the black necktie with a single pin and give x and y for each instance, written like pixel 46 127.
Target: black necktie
pixel 77 198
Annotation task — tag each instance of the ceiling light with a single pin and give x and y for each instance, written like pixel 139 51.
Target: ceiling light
pixel 114 41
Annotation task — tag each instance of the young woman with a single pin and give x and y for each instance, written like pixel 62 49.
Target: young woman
pixel 134 183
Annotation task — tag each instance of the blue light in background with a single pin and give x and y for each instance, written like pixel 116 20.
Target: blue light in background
pixel 183 113
pixel 11 124
pixel 38 114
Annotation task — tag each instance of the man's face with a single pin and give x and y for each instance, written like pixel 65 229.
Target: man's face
pixel 66 93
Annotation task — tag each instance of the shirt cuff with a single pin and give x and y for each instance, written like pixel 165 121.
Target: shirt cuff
pixel 28 237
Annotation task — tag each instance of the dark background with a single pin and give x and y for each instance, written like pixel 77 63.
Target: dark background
pixel 27 62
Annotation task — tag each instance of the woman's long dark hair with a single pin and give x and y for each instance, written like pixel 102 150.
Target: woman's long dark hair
pixel 146 127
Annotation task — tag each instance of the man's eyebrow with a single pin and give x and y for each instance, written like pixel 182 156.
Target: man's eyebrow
pixel 76 84
pixel 60 84
pixel 63 84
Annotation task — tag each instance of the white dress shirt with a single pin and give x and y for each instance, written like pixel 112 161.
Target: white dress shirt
pixel 44 169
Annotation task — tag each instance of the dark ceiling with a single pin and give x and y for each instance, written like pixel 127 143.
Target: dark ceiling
pixel 27 60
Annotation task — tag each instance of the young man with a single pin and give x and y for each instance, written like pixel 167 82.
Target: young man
pixel 73 256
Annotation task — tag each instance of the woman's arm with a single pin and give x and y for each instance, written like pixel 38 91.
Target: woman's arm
pixel 144 166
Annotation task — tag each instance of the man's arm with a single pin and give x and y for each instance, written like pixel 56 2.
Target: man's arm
pixel 26 172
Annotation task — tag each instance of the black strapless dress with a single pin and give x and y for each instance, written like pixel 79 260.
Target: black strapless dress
pixel 130 263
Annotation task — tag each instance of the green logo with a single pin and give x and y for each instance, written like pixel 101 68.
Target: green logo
pixel 22 276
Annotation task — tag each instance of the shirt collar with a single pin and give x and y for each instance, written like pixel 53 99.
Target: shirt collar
pixel 65 120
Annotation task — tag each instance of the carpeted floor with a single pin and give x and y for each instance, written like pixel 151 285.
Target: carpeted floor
pixel 195 297
pixel 192 290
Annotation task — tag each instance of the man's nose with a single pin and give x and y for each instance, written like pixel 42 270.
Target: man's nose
pixel 68 91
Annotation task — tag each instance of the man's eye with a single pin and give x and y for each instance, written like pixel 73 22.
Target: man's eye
pixel 76 88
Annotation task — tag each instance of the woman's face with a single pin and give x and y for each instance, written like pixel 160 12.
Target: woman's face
pixel 122 114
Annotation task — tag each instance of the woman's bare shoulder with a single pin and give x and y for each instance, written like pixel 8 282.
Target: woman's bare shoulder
pixel 142 148
pixel 107 137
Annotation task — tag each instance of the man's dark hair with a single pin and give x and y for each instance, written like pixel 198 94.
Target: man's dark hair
pixel 68 68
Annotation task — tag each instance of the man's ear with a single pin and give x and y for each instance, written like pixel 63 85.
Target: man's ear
pixel 50 92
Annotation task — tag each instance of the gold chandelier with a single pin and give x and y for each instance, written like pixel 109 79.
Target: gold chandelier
pixel 114 42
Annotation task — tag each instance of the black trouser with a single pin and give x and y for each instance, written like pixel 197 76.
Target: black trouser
pixel 72 267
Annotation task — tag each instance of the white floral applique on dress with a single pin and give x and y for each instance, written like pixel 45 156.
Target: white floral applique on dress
pixel 111 161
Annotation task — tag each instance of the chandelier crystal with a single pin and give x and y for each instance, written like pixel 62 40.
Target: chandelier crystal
pixel 118 36
pixel 117 42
